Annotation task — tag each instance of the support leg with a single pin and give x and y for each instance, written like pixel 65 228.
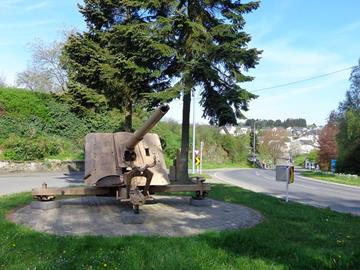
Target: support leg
pixel 149 175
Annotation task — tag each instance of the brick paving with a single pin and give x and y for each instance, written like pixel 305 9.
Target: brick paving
pixel 168 216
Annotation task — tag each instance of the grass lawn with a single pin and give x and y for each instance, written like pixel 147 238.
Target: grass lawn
pixel 204 175
pixel 293 236
pixel 342 179
pixel 225 165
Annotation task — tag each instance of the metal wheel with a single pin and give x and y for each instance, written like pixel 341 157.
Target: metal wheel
pixel 44 198
pixel 199 196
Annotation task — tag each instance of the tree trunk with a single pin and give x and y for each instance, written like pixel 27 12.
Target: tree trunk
pixel 182 171
pixel 128 118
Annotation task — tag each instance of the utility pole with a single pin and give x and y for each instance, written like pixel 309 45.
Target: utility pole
pixel 254 142
pixel 193 143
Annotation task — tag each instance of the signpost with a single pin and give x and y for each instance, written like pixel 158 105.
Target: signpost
pixel 201 155
pixel 194 127
pixel 285 173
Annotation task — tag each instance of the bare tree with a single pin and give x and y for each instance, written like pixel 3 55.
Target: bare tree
pixel 35 80
pixel 328 146
pixel 295 148
pixel 273 143
pixel 45 72
pixel 2 80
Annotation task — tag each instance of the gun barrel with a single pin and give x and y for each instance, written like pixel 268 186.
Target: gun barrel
pixel 149 124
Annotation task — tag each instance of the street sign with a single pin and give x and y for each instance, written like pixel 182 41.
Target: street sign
pixel 197 160
pixel 291 174
pixel 282 173
pixel 285 173
pixel 333 165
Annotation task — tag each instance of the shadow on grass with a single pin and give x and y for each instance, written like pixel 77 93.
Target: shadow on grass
pixel 293 236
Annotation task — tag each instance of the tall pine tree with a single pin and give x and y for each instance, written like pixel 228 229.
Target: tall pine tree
pixel 119 56
pixel 211 54
pixel 135 47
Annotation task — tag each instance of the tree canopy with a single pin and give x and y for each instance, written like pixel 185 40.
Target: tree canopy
pixel 119 56
pixel 212 55
pixel 327 145
pixel 348 117
pixel 161 49
pixel 290 122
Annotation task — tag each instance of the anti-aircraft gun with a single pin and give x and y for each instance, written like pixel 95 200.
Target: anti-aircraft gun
pixel 129 166
pixel 123 160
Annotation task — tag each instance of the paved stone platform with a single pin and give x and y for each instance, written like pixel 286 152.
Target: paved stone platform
pixel 167 216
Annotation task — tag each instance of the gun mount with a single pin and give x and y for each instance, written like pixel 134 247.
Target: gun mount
pixel 130 166
pixel 109 156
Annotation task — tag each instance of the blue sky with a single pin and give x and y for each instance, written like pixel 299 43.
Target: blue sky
pixel 300 39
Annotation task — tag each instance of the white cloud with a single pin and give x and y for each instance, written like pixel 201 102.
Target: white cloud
pixel 9 3
pixel 283 61
pixel 264 26
pixel 20 5
pixel 300 90
pixel 349 28
pixel 36 6
pixel 287 60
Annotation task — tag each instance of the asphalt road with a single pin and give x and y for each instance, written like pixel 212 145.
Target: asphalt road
pixel 14 183
pixel 317 193
pixel 337 197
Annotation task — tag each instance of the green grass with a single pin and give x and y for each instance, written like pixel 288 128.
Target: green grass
pixel 24 103
pixel 204 175
pixel 293 236
pixel 299 160
pixel 225 165
pixel 342 179
pixel 33 124
pixel 312 156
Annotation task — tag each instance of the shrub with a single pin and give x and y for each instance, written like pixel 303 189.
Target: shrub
pixel 25 149
pixel 23 103
pixel 64 123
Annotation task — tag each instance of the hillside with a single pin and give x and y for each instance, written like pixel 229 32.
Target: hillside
pixel 37 126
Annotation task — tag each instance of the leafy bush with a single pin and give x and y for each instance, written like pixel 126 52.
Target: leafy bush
pixel 170 136
pixel 81 99
pixel 235 147
pixel 24 149
pixel 348 141
pixel 23 103
pixel 109 121
pixel 37 126
pixel 313 156
pixel 64 123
